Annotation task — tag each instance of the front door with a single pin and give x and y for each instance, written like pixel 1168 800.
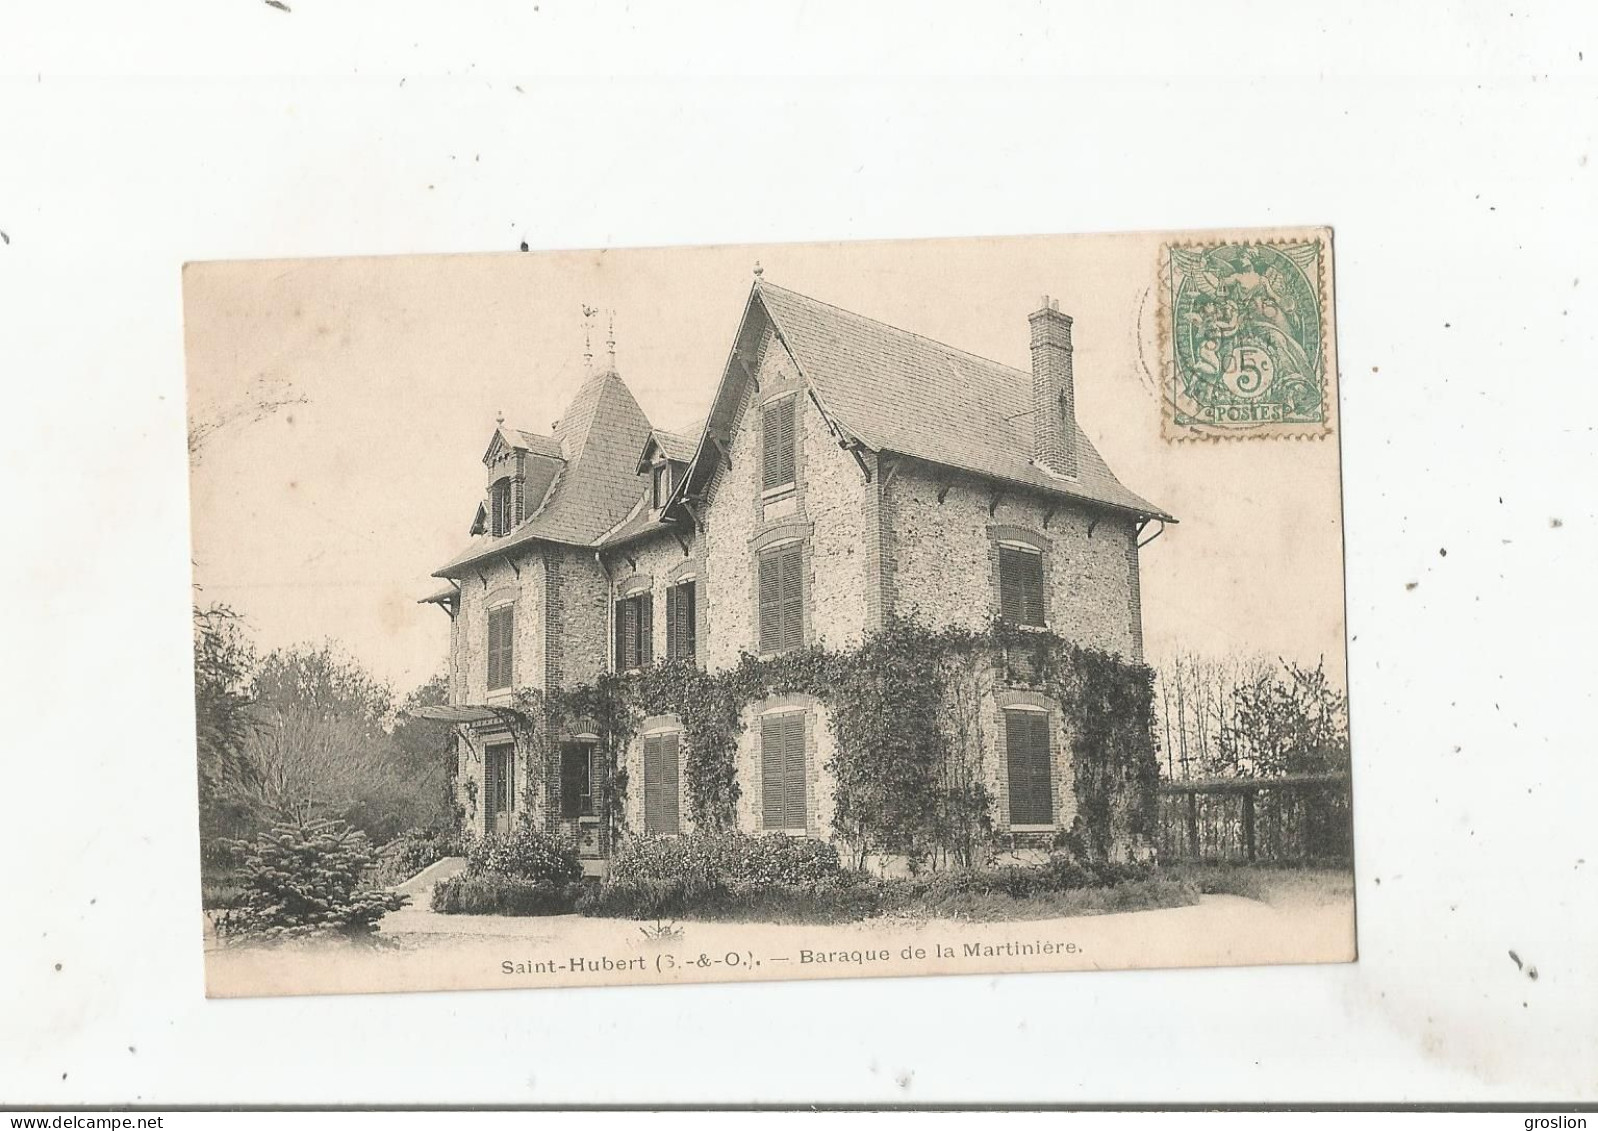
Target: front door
pixel 499 780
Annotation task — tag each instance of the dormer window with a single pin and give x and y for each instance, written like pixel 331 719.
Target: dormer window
pixel 499 506
pixel 660 486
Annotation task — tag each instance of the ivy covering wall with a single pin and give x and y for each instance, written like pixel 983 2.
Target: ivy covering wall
pixel 907 711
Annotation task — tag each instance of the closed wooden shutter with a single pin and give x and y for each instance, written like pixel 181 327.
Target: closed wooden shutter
pixel 687 625
pixel 660 784
pixel 1020 586
pixel 620 618
pixel 680 621
pixel 782 770
pixel 646 629
pixel 493 648
pixel 773 771
pixel 770 604
pixel 794 786
pixel 500 495
pixel 501 646
pixel 793 609
pixel 673 647
pixel 777 443
pixel 1027 755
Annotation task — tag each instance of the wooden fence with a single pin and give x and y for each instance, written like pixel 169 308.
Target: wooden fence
pixel 1303 818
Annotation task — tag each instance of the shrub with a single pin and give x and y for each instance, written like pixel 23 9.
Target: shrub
pixel 503 895
pixel 298 880
pixel 828 901
pixel 731 859
pixel 525 854
pixel 411 851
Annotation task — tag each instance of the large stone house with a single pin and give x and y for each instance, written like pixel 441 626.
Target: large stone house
pixel 848 471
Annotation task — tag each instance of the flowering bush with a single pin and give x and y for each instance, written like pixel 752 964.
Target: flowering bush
pixel 727 859
pixel 299 880
pixel 525 854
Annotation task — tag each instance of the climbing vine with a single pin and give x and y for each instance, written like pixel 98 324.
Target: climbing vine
pixel 907 713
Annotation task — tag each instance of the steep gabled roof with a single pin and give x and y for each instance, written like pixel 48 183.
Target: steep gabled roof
pixel 540 445
pixel 676 444
pixel 900 392
pixel 517 440
pixel 599 438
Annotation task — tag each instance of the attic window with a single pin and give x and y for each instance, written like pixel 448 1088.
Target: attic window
pixel 499 505
pixel 777 443
pixel 660 489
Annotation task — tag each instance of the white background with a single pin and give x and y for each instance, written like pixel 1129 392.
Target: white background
pixel 1451 146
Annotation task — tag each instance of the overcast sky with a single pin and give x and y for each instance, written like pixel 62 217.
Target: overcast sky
pixel 325 517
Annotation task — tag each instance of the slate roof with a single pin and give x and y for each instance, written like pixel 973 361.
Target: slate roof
pixel 676 444
pixel 539 445
pixel 531 441
pixel 900 392
pixel 888 388
pixel 680 443
pixel 640 522
pixel 599 438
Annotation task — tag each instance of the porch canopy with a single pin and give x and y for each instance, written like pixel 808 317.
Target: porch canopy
pixel 465 714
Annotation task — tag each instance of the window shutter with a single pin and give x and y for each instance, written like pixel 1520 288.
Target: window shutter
pixel 768 448
pixel 646 629
pixel 687 609
pixel 667 758
pixel 794 787
pixel 493 649
pixel 1027 750
pixel 651 783
pixel 785 424
pixel 770 603
pixel 1020 586
pixel 621 636
pixel 777 443
pixel 673 639
pixel 629 635
pixel 1009 585
pixel 501 645
pixel 1032 593
pixel 773 772
pixel 793 611
pixel 507 645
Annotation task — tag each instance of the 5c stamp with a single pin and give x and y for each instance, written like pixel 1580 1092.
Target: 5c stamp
pixel 1244 329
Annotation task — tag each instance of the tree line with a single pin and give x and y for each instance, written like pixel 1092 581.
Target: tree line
pixel 303 733
pixel 1248 716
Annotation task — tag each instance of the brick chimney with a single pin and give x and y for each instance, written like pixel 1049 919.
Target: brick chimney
pixel 1053 390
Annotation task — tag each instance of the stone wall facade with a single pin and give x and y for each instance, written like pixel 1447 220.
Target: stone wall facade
pixel 944 562
pixel 824 512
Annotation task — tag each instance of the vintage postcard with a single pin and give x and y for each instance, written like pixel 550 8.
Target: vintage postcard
pixel 796 611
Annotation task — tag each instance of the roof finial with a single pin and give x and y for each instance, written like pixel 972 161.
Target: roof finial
pixel 588 340
pixel 610 341
pixel 499 417
pixel 759 270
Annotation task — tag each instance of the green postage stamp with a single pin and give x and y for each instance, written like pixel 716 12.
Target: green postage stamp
pixel 1245 329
